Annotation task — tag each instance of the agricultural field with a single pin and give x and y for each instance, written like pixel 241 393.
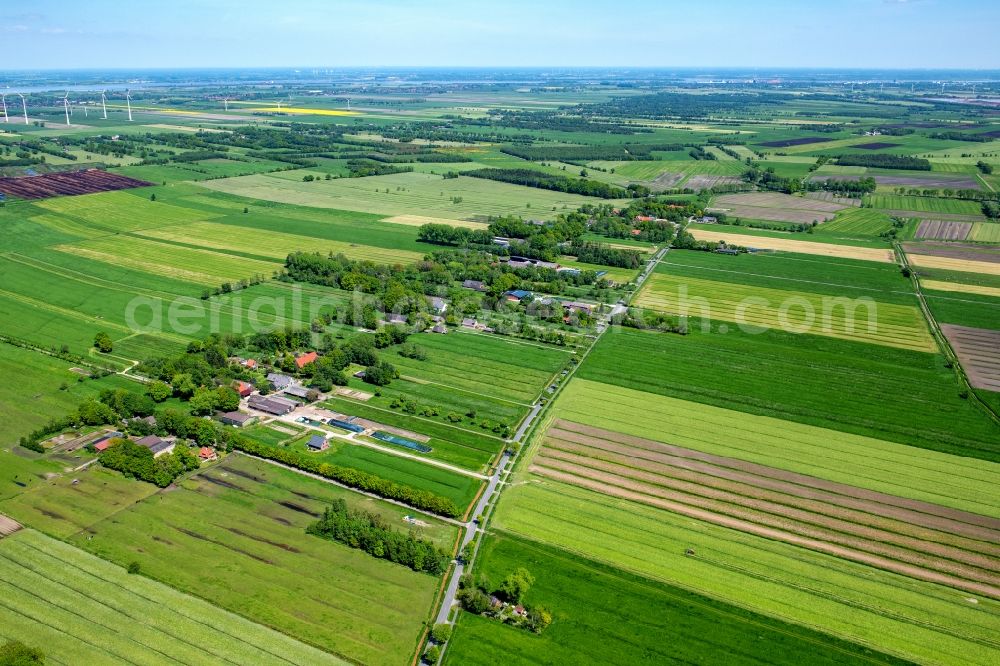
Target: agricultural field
pixel 461 198
pixel 794 311
pixel 587 628
pixel 244 520
pixel 985 232
pixel 80 608
pixel 777 207
pixel 816 246
pixel 861 221
pixel 46 387
pixel 921 540
pixel 922 204
pixel 979 352
pixel 882 392
pixel 943 230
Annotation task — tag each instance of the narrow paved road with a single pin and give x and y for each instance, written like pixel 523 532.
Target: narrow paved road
pixel 504 468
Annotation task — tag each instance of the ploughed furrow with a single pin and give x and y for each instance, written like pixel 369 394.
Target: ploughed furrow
pixel 901 521
pixel 959 522
pixel 812 525
pixel 875 560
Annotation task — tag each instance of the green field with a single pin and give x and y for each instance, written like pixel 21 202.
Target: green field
pixel 604 615
pixel 409 193
pixel 879 391
pixel 234 535
pixel 963 483
pixel 883 611
pixel 793 311
pixel 985 232
pixel 37 395
pixel 459 488
pixel 862 221
pixel 923 204
pixel 80 609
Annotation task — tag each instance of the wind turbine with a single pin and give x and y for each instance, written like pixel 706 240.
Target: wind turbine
pixel 225 100
pixel 104 104
pixel 24 107
pixel 66 107
pixel 3 99
pixel 128 103
pixel 86 114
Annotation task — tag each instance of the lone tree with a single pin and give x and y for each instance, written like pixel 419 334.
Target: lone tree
pixel 516 585
pixel 103 342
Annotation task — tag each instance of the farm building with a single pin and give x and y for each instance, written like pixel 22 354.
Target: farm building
pixel 501 241
pixel 237 419
pixel 476 285
pixel 576 306
pixel 156 445
pixel 397 319
pixel 249 363
pixel 104 441
pixel 279 381
pixel 244 389
pixel 469 323
pixel 318 443
pixel 271 404
pixel 207 453
pixel 437 304
pixel 297 392
pixel 346 424
pixel 303 360
pixel 516 295
pixel 440 328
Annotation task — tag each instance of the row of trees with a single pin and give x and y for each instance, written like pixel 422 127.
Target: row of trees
pixel 371 533
pixel 885 161
pixel 546 181
pixel 365 481
pixel 601 253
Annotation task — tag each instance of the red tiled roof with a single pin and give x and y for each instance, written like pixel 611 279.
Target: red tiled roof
pixel 103 445
pixel 251 363
pixel 206 452
pixel 306 359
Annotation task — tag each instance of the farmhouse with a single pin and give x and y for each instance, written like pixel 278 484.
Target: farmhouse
pixel 271 404
pixel 156 445
pixel 440 328
pixel 476 285
pixel 318 443
pixel 576 306
pixel 303 360
pixel 244 389
pixel 104 441
pixel 397 319
pixel 237 419
pixel 278 381
pixel 207 453
pixel 437 304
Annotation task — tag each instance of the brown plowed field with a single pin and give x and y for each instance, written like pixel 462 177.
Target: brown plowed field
pixel 66 183
pixel 979 351
pixel 777 535
pixel 912 537
pixel 944 230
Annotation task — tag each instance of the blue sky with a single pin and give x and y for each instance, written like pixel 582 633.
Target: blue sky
pixel 653 33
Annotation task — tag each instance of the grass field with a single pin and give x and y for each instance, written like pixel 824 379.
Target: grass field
pixel 37 394
pixel 456 487
pixel 234 535
pixel 985 232
pixel 273 244
pixel 863 221
pixel 789 243
pixel 604 615
pixel 80 609
pixel 890 394
pixel 190 264
pixel 923 204
pixel 120 211
pixel 922 261
pixel 917 539
pixel 913 619
pixel 794 311
pixel 962 483
pixel 409 193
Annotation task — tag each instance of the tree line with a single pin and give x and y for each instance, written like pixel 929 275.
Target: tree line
pixel 546 181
